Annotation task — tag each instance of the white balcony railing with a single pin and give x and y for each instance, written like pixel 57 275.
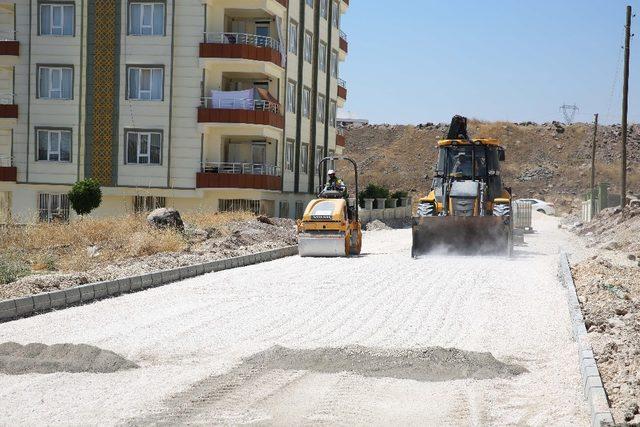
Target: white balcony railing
pixel 342 83
pixel 240 104
pixel 6 161
pixel 339 131
pixel 7 98
pixel 241 168
pixel 6 36
pixel 343 36
pixel 243 39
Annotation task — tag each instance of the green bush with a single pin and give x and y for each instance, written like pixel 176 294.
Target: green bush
pixel 399 195
pixel 11 269
pixel 85 196
pixel 373 191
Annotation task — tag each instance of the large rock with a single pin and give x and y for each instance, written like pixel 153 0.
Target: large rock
pixel 166 218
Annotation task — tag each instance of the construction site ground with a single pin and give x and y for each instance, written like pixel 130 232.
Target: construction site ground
pixel 372 340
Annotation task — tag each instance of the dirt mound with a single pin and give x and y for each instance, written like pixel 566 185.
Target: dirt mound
pixel 549 161
pixel 424 364
pixel 615 229
pixel 377 225
pixel 16 359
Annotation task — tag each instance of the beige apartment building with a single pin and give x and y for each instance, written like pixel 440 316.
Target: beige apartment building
pixel 197 104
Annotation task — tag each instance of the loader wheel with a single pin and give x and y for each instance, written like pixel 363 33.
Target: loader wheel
pixel 426 209
pixel 502 210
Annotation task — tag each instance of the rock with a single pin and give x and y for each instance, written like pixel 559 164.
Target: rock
pixel 631 257
pixel 166 218
pixel 93 251
pixel 265 220
pixel 621 311
pixel 631 412
pixel 611 246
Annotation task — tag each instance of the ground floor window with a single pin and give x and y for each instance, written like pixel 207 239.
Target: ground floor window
pixel 284 209
pixel 239 205
pixel 299 209
pixel 53 207
pixel 148 203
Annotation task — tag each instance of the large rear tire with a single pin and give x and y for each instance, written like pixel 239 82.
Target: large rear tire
pixel 426 209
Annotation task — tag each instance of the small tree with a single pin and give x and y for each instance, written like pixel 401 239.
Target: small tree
pixel 85 196
pixel 373 191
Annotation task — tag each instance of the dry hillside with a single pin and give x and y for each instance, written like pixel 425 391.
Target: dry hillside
pixel 550 161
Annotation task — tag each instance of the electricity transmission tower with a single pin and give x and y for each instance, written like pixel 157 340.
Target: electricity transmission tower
pixel 569 112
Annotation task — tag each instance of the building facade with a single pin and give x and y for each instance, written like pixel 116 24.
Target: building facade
pixel 197 104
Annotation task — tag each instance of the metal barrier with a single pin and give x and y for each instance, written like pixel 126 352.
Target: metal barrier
pixel 243 39
pixel 241 168
pixel 522 216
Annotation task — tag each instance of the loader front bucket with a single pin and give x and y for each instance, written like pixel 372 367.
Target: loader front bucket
pixel 457 235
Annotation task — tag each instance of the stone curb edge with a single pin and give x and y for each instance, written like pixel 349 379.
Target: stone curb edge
pixel 592 386
pixel 40 303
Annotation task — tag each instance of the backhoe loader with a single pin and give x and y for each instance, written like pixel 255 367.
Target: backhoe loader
pixel 467 211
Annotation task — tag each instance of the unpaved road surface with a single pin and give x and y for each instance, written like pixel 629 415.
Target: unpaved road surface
pixel 379 339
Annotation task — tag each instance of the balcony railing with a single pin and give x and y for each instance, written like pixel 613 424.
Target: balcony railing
pixel 342 83
pixel 340 138
pixel 241 168
pixel 343 35
pixel 242 46
pixel 344 43
pixel 241 104
pixel 7 98
pixel 8 108
pixel 239 175
pixel 342 89
pixel 9 46
pixel 6 161
pixel 242 39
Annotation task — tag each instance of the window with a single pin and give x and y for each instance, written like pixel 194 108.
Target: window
pixel 55 82
pixel 322 105
pixel 239 205
pixel 299 209
pixel 319 156
pixel 333 108
pixel 306 102
pixel 146 19
pixel 310 3
pixel 291 96
pixel 335 14
pixel 144 147
pixel 322 59
pixel 293 37
pixel 288 156
pixel 53 207
pixel 146 84
pixel 263 31
pixel 56 19
pixel 259 154
pixel 54 145
pixel 148 203
pixel 284 209
pixel 334 64
pixel 308 52
pixel 324 8
pixel 304 158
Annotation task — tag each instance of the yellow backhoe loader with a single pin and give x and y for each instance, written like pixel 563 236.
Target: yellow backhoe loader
pixel 467 211
pixel 330 227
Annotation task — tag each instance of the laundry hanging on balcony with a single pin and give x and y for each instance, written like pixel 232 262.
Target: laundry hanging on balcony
pixel 250 99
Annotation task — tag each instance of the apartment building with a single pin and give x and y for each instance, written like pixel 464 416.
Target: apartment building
pixel 197 104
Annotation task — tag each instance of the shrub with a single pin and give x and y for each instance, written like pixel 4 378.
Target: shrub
pixel 11 269
pixel 85 196
pixel 373 191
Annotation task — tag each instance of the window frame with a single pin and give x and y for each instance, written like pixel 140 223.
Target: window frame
pixel 59 131
pixel 293 37
pixel 333 113
pixel 130 3
pixel 149 133
pixel 324 8
pixel 140 67
pixel 335 14
pixel 292 86
pixel 63 206
pixel 304 158
pixel 309 3
pixel 335 70
pixel 321 108
pixel 62 5
pixel 289 155
pixel 322 57
pixel 50 68
pixel 308 47
pixel 306 102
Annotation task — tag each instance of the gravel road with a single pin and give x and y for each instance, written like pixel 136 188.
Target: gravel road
pixel 269 344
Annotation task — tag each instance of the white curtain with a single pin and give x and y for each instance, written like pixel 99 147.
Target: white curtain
pixel 283 50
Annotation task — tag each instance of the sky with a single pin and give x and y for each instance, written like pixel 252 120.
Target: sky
pixel 418 61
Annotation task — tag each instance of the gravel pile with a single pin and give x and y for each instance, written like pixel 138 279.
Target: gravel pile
pixel 615 229
pixel 377 225
pixel 235 239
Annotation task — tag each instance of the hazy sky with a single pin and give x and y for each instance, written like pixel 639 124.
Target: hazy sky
pixel 417 61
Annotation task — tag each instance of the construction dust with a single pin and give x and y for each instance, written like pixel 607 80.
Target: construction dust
pixel 426 364
pixel 17 359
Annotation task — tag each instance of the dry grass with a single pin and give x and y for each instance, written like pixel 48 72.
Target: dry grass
pixel 72 246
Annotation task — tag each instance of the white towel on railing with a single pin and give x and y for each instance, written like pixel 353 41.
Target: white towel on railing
pixel 234 100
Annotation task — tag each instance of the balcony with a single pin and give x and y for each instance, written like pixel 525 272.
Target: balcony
pixel 242 46
pixel 344 44
pixel 341 141
pixel 8 108
pixel 239 175
pixel 241 111
pixel 8 172
pixel 342 89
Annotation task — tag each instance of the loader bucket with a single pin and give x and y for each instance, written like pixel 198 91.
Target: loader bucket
pixel 322 245
pixel 461 235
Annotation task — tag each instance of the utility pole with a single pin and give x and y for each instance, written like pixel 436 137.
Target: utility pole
pixel 625 110
pixel 593 168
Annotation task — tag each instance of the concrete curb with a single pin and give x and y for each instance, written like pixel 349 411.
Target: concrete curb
pixel 37 304
pixel 592 385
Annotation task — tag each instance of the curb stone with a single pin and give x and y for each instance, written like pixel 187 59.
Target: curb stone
pixel 41 303
pixel 592 386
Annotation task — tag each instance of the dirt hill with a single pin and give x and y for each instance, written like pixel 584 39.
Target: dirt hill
pixel 550 160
